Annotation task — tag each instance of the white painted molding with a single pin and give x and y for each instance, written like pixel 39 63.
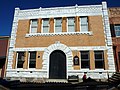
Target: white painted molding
pixel 57 46
pixel 72 48
pixel 58 34
pixel 86 10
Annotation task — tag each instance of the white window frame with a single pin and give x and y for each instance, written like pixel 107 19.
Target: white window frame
pixel 17 60
pixel 48 25
pixel 67 24
pixel 29 59
pixel 81 61
pixel 55 25
pixel 86 24
pixel 99 60
pixel 31 25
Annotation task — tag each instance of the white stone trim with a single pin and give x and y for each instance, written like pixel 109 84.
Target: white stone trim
pixel 108 39
pixel 58 34
pixel 71 11
pixel 72 48
pixel 57 46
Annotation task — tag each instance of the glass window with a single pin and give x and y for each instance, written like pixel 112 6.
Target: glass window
pixel 45 25
pixel 117 30
pixel 85 59
pixel 84 24
pixel 32 60
pixel 71 24
pixel 34 25
pixel 20 59
pixel 58 25
pixel 99 59
pixel 76 60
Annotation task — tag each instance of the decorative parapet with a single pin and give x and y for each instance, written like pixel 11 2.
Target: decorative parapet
pixel 85 10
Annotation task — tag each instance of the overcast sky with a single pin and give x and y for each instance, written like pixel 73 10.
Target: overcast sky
pixel 7 8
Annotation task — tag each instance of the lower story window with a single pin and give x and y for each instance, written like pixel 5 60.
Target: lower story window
pixel 20 59
pixel 85 59
pixel 99 59
pixel 32 60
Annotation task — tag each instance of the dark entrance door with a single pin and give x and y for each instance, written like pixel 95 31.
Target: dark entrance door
pixel 57 67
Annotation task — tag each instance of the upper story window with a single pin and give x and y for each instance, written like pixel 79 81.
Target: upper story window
pixel 99 59
pixel 83 24
pixel 45 25
pixel 71 24
pixel 20 59
pixel 117 30
pixel 58 25
pixel 33 25
pixel 32 60
pixel 85 60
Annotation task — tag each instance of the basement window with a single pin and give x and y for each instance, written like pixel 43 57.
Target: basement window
pixel 32 60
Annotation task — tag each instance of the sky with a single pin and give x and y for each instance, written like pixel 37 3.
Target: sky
pixel 7 8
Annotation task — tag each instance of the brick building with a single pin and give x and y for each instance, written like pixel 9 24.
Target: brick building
pixel 3 54
pixel 54 43
pixel 114 17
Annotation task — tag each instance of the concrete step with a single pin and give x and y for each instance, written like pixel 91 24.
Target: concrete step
pixel 57 80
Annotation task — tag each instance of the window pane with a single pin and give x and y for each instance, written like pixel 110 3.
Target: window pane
pixel 34 22
pixel 117 33
pixel 99 55
pixel 71 21
pixel 45 30
pixel 84 64
pixel 84 28
pixel 45 22
pixel 99 64
pixel 84 55
pixel 83 20
pixel 33 29
pixel 71 29
pixel 117 30
pixel 58 29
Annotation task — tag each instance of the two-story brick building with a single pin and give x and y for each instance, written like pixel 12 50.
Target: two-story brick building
pixel 114 17
pixel 54 43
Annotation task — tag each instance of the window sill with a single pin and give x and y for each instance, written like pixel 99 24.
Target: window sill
pixel 57 34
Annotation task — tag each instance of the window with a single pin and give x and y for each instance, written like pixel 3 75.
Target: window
pixel 76 60
pixel 45 25
pixel 85 59
pixel 84 24
pixel 99 59
pixel 117 30
pixel 34 25
pixel 58 25
pixel 32 60
pixel 20 59
pixel 71 24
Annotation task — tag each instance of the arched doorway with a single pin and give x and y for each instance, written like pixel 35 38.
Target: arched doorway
pixel 57 65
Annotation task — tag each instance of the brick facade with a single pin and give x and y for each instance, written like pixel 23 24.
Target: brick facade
pixel 96 38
